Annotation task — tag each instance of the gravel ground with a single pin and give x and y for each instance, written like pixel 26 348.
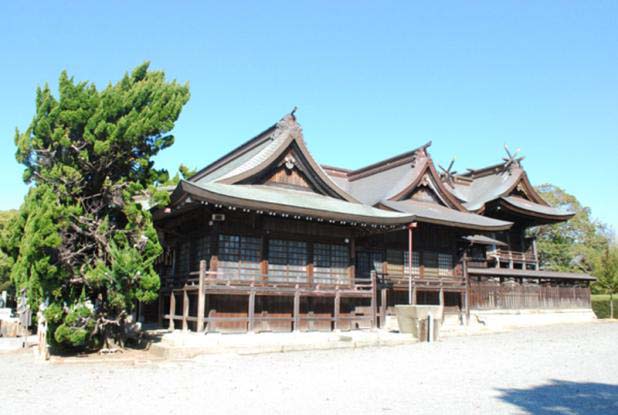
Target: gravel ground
pixel 567 369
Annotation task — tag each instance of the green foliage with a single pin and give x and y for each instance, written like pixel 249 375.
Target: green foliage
pixel 601 307
pixel 6 259
pixel 82 236
pixel 606 271
pixel 573 245
pixel 77 328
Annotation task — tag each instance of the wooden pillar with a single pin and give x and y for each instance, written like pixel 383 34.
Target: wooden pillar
pixel 337 309
pixel 352 263
pixel 508 241
pixel 373 299
pixel 264 259
pixel 201 297
pixel 251 311
pixel 467 292
pixel 214 248
pixel 297 309
pixel 160 309
pixel 383 306
pixel 185 310
pixel 310 263
pixel 172 313
pixel 536 254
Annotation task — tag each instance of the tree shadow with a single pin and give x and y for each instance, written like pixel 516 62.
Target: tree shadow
pixel 565 398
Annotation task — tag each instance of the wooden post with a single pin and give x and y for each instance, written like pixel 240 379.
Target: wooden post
pixel 160 310
pixel 467 281
pixel 373 299
pixel 309 272
pixel 536 255
pixel 251 311
pixel 337 308
pixel 297 309
pixel 201 297
pixel 185 310
pixel 411 285
pixel 352 263
pixel 172 313
pixel 383 306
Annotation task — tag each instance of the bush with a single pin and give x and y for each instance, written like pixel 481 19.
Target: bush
pixel 601 307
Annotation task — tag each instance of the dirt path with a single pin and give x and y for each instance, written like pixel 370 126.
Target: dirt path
pixel 569 369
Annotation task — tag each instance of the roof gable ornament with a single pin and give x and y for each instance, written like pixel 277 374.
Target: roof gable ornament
pixel 448 175
pixel 512 159
pixel 289 162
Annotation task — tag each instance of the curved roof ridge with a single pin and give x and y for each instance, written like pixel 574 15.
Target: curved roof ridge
pixel 286 132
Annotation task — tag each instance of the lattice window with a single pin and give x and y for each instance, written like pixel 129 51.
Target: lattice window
pixel 239 257
pixel 445 265
pixel 200 250
pixel 287 260
pixel 330 263
pixel 430 263
pixel 398 262
pixel 416 262
pixel 183 256
pixel 367 261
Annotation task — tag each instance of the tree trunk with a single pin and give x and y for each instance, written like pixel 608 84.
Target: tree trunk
pixel 611 306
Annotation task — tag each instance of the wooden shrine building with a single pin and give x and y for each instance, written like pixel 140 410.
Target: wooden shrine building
pixel 267 239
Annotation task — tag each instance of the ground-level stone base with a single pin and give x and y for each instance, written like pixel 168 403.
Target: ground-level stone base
pixel 183 345
pixel 504 319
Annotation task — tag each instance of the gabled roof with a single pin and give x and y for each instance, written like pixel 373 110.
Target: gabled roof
pixel 507 185
pixel 259 153
pixel 394 179
pixel 389 184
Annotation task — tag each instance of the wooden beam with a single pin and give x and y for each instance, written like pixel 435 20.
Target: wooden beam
pixel 201 297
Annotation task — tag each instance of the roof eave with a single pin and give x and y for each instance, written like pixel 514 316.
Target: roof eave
pixel 209 196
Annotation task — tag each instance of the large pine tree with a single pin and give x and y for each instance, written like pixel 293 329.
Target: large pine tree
pixel 82 242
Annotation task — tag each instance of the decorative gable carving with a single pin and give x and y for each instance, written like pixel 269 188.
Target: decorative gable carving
pixel 425 192
pixel 291 170
pixel 289 176
pixel 428 187
pixel 426 195
pixel 520 191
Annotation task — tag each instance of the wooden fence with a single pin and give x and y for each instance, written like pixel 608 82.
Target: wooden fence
pixel 504 296
pixel 193 291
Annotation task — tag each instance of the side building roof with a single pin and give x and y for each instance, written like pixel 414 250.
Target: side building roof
pixel 504 185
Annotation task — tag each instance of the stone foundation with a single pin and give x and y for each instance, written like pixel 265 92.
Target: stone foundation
pixel 502 319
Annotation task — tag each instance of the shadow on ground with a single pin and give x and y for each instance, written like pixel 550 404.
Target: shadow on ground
pixel 565 398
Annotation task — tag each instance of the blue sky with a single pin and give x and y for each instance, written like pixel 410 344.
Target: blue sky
pixel 371 79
